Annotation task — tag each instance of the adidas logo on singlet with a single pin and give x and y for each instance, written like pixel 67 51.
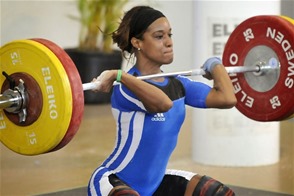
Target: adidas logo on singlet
pixel 158 117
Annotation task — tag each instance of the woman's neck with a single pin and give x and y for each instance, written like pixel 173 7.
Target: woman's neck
pixel 147 68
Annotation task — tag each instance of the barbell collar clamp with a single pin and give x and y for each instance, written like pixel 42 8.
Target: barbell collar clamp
pixel 15 101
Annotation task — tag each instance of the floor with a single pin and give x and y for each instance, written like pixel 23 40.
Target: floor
pixel 71 167
pixel 237 190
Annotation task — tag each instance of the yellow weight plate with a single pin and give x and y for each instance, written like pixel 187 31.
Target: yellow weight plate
pixel 34 59
pixel 76 89
pixel 288 18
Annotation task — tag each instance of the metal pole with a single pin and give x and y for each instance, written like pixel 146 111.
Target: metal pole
pixel 7 102
pixel 194 72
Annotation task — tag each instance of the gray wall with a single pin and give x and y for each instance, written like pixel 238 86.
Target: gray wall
pixel 24 19
pixel 287 8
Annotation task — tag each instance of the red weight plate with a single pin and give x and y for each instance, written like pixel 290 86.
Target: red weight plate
pixel 76 88
pixel 275 33
pixel 292 22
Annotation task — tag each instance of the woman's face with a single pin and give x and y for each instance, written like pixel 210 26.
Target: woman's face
pixel 157 45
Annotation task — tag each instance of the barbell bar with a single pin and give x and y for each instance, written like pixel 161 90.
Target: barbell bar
pixel 12 100
pixel 8 101
pixel 54 99
pixel 258 69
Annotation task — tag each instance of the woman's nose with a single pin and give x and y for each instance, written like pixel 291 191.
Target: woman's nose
pixel 169 42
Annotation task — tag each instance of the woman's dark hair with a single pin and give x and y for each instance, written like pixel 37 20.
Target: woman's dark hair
pixel 134 24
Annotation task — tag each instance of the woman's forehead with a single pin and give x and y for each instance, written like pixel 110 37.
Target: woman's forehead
pixel 161 24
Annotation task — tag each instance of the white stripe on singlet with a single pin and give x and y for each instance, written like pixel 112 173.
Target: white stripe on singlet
pixel 131 99
pixel 137 135
pixel 126 116
pixel 104 184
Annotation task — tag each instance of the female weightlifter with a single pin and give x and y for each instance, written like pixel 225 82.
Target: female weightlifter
pixel 149 113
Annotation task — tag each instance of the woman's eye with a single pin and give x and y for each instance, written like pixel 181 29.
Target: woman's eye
pixel 159 36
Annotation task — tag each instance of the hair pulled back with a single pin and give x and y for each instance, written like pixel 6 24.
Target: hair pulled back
pixel 134 24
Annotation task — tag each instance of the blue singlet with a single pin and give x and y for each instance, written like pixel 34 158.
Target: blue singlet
pixel 145 141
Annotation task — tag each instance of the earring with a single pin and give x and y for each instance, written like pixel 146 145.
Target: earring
pixel 139 49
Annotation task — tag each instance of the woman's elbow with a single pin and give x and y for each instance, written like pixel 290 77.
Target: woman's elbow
pixel 230 102
pixel 168 105
pixel 165 106
pixel 161 107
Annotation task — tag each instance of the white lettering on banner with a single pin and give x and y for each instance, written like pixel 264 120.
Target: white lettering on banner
pixel 2 122
pixel 50 93
pixel 279 37
pixel 217 48
pixel 219 29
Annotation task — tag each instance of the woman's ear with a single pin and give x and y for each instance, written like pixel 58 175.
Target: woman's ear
pixel 135 42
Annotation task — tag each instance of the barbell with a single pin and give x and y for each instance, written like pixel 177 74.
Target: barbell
pixel 42 100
